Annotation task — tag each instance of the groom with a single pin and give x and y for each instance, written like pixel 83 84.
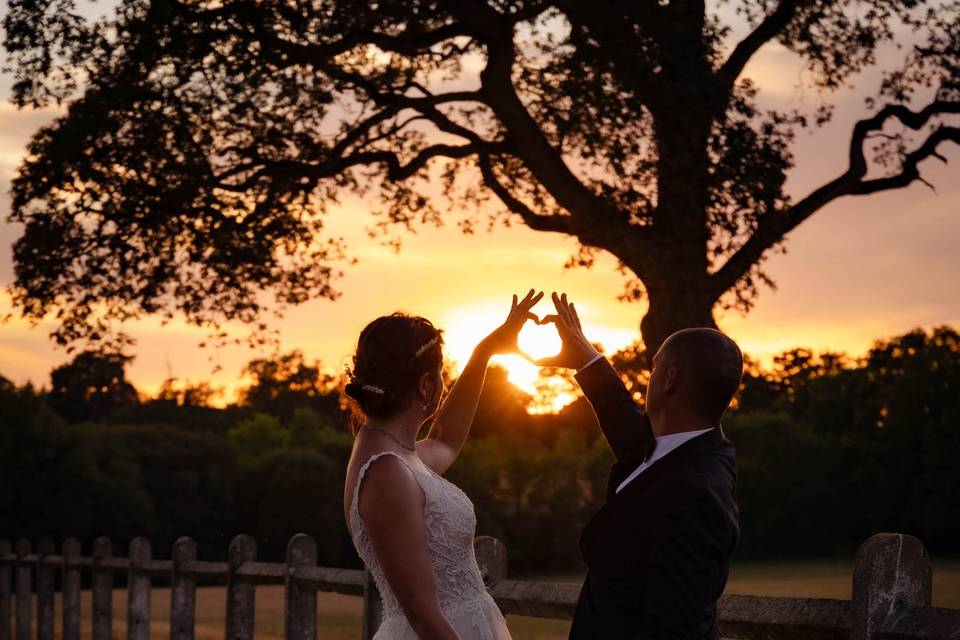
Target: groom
pixel 658 550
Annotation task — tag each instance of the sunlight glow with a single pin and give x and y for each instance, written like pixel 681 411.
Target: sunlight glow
pixel 465 326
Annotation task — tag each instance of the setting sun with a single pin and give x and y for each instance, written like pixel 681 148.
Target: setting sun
pixel 466 325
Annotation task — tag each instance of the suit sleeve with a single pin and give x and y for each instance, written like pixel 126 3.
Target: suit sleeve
pixel 625 426
pixel 683 569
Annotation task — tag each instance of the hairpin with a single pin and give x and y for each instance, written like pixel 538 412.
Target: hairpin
pixel 429 344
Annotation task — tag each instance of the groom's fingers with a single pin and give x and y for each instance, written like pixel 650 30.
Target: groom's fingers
pixel 575 316
pixel 559 305
pixel 565 310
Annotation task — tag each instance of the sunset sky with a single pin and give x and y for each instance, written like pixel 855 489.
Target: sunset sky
pixel 862 268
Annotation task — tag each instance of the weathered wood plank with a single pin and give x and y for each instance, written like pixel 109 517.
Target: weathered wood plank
pixel 24 586
pixel 45 590
pixel 261 573
pixel 204 569
pixel 925 623
pixel 891 574
pixel 492 559
pixel 346 581
pixel 70 587
pixel 240 593
pixel 138 591
pixel 537 599
pixel 102 584
pixel 183 591
pixel 372 607
pixel 760 618
pixel 300 600
pixel 6 592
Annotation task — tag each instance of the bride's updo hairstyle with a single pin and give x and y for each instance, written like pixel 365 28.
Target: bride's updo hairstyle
pixel 392 353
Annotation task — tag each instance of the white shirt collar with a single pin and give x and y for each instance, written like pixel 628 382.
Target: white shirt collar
pixel 665 444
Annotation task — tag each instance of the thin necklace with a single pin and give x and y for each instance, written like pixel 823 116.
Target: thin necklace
pixel 395 438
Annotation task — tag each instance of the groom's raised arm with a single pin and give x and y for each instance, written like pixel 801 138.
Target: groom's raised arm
pixel 625 426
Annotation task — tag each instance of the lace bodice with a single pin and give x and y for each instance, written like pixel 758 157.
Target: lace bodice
pixel 451 526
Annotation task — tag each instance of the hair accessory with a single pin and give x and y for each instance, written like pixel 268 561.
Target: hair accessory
pixel 374 389
pixel 426 346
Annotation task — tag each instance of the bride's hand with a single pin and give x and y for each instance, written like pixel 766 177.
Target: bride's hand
pixel 503 339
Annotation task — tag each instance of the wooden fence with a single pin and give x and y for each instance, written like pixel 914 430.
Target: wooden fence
pixel 892 584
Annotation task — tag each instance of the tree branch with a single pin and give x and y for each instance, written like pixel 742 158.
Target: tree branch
pixel 396 170
pixel 773 227
pixel 533 220
pixel 406 43
pixel 595 219
pixel 768 29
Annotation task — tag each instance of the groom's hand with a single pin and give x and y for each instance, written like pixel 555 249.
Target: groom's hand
pixel 576 350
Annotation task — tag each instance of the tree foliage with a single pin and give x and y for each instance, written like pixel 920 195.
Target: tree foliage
pixel 830 450
pixel 91 386
pixel 203 143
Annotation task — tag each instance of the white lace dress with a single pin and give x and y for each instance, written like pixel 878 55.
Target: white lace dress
pixel 451 526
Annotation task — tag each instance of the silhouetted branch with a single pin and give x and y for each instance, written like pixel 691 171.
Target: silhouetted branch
pixel 529 142
pixel 773 227
pixel 533 220
pixel 769 28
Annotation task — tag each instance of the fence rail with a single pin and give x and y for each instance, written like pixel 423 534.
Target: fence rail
pixel 892 588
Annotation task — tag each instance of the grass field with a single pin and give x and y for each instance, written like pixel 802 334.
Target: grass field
pixel 340 615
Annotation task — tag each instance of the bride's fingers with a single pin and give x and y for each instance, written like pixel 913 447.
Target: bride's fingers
pixel 533 301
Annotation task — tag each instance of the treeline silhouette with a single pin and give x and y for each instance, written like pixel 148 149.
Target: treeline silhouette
pixel 830 450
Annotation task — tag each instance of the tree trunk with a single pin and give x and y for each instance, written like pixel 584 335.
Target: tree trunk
pixel 673 308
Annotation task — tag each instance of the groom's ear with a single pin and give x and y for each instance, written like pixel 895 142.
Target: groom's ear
pixel 671 381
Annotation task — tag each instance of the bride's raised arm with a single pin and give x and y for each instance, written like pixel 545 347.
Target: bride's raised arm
pixel 452 423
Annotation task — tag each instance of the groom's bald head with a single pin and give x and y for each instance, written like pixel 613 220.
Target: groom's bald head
pixel 710 367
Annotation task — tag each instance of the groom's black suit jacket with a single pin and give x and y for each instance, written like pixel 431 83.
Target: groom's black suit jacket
pixel 658 551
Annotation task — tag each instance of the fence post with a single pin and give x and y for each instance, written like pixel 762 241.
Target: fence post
pixel 300 617
pixel 6 587
pixel 102 584
pixel 891 574
pixel 183 591
pixel 45 577
pixel 138 591
pixel 24 603
pixel 70 586
pixel 492 559
pixel 240 594
pixel 372 606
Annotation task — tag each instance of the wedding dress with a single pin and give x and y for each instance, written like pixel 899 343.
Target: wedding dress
pixel 451 525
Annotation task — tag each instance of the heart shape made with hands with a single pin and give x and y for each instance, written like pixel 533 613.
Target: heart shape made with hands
pixel 539 339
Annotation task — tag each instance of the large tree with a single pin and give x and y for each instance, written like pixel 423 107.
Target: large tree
pixel 203 142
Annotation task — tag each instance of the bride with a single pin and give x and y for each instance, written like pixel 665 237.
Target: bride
pixel 412 528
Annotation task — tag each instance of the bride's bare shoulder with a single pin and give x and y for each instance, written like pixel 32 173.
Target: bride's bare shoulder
pixel 387 477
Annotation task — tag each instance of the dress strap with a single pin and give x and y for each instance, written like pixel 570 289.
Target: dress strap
pixel 354 502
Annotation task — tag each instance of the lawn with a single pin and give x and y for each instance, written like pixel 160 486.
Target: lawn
pixel 340 615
